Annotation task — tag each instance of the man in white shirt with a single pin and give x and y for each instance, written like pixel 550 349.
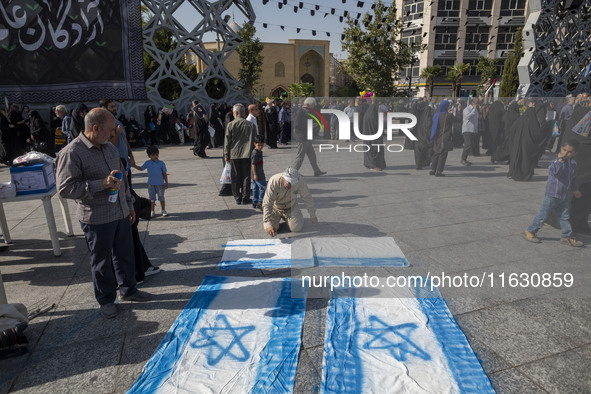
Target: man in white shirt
pixel 253 113
pixel 469 128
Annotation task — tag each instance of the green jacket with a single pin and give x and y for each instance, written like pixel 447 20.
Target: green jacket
pixel 239 140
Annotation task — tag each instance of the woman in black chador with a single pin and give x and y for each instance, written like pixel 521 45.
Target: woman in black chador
pixel 374 158
pixel 441 137
pixel 494 121
pixel 423 148
pixel 501 153
pixel 525 147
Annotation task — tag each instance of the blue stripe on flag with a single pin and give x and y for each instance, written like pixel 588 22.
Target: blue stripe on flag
pixel 362 261
pixel 254 264
pixel 162 362
pixel 247 245
pixel 462 361
pixel 342 373
pixel 279 359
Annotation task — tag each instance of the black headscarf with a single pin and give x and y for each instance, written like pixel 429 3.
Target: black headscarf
pixel 524 151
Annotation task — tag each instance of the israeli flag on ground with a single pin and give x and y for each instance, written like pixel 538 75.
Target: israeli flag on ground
pixel 397 345
pixel 308 252
pixel 236 335
pixel 256 254
pixel 357 252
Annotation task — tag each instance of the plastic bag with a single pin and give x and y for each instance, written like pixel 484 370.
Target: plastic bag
pixel 33 157
pixel 555 130
pixel 226 177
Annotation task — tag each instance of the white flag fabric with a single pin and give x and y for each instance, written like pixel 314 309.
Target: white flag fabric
pixel 397 345
pixel 236 335
pixel 307 252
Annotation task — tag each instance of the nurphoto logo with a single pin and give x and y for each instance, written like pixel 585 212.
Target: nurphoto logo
pixel 395 121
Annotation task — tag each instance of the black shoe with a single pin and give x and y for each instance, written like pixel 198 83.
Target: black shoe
pixel 466 163
pixel 320 173
pixel 431 172
pixel 246 201
pixel 439 174
pixel 238 201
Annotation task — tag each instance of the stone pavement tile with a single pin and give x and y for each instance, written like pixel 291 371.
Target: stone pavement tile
pixel 461 305
pixel 486 252
pixel 190 234
pixel 166 248
pixel 167 306
pixel 313 333
pixel 567 372
pixel 87 366
pixel 71 326
pixel 517 344
pixel 510 381
pixel 186 275
pixel 433 237
pixel 137 350
pixel 46 293
pixel 316 354
pixel 80 291
pixel 307 379
pixel 490 361
pixel 569 316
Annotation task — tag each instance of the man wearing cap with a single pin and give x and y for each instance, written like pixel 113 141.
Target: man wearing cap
pixel 300 135
pixel 280 202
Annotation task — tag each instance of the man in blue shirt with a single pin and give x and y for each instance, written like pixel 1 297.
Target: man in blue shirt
pixel 561 180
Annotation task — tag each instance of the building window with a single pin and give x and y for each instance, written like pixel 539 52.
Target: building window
pixel 471 72
pixel 506 37
pixel 446 38
pixel 445 64
pixel 477 38
pixel 512 7
pixel 409 37
pixel 479 8
pixel 279 69
pixel 412 9
pixel 448 8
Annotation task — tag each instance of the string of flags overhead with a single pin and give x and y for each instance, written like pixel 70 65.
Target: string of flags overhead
pixel 266 25
pixel 313 9
pixel 316 9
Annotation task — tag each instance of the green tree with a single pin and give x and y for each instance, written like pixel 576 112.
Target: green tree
pixel 250 58
pixel 429 74
pixel 487 68
pixel 302 89
pixel 376 53
pixel 455 74
pixel 510 77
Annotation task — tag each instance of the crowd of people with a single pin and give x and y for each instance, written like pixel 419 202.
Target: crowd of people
pixel 517 133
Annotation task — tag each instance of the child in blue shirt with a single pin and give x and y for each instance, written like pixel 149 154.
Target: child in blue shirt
pixel 259 183
pixel 561 181
pixel 157 178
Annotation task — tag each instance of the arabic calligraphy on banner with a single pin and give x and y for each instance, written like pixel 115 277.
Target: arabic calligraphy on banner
pixel 32 24
pixel 71 50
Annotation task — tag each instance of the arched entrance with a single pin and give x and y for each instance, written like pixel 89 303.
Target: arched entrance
pixel 278 92
pixel 311 68
pixel 307 78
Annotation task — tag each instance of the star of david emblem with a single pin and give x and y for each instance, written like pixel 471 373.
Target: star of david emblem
pixel 395 339
pixel 223 340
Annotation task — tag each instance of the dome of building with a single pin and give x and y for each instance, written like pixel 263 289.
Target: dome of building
pixel 235 27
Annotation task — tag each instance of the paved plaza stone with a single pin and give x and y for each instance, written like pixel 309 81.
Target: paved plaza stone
pixel 471 221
